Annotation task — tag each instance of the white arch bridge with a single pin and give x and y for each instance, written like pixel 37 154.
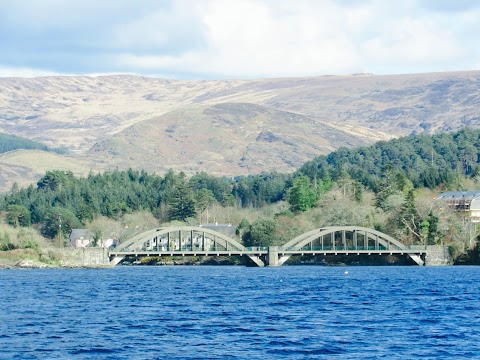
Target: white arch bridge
pixel 199 241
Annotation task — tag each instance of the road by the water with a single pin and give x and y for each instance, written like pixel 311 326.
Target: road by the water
pixel 290 312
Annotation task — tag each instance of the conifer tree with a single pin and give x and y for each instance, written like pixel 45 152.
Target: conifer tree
pixel 301 196
pixel 181 202
pixel 388 186
pixel 409 218
pixel 18 215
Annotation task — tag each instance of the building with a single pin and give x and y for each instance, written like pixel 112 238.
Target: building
pixel 226 229
pixel 106 243
pixel 466 202
pixel 80 238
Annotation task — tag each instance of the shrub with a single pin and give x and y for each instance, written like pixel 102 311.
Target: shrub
pixel 150 260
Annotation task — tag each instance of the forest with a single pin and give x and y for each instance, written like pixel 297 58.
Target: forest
pixel 12 142
pixel 389 186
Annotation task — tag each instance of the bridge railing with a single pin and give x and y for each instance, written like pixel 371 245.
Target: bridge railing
pixel 187 248
pixel 336 247
pixel 416 247
pixel 355 248
pixel 257 248
pixel 184 248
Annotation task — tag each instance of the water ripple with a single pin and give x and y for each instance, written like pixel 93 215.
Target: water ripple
pixel 240 313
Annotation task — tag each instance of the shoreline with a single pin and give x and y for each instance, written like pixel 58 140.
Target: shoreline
pixel 30 265
pixel 38 265
pixel 89 259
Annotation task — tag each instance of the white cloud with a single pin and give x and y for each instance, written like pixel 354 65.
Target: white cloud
pixel 304 40
pixel 170 29
pixel 239 39
pixel 252 38
pixel 25 72
pixel 412 43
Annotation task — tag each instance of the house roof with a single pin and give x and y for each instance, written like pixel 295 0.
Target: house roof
pixel 459 195
pixel 226 229
pixel 80 233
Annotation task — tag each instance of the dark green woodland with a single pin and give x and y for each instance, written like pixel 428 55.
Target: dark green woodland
pixel 390 171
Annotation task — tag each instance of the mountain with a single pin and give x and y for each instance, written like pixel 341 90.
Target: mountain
pixel 226 138
pixel 27 166
pixel 228 126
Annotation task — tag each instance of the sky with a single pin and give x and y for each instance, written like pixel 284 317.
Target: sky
pixel 237 39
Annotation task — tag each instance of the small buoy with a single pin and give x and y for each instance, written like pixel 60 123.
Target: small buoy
pixel 346 272
pixel 281 280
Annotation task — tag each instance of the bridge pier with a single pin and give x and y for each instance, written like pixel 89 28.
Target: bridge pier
pixel 282 259
pixel 116 260
pixel 272 257
pixel 418 260
pixel 256 260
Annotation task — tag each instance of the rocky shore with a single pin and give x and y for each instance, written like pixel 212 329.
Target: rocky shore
pixel 32 264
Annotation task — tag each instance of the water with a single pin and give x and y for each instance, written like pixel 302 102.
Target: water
pixel 299 312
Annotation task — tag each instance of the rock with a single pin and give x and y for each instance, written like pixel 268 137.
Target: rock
pixel 6 266
pixel 30 264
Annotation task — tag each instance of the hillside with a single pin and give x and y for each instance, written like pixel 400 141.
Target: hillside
pixel 27 166
pixel 199 125
pixel 12 142
pixel 227 138
pixel 425 160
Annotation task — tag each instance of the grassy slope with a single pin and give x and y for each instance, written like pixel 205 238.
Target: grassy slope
pixel 226 139
pixel 27 166
pixel 79 112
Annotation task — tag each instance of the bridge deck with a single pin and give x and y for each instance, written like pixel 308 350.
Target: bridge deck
pixel 351 251
pixel 187 253
pixel 265 252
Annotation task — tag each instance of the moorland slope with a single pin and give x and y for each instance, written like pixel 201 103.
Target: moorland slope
pixel 224 127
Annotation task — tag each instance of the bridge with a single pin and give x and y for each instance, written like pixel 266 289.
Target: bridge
pixel 199 241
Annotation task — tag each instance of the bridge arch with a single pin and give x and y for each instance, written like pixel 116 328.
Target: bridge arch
pixel 182 240
pixel 368 234
pixel 377 239
pixel 176 238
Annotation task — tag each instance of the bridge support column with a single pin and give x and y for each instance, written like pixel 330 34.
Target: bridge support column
pixel 272 257
pixel 116 260
pixel 256 260
pixel 417 259
pixel 282 259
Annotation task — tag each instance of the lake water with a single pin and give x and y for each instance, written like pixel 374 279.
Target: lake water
pixel 234 312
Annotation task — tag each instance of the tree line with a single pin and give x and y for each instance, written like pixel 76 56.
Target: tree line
pixel 12 142
pixel 331 189
pixel 425 160
pixel 60 198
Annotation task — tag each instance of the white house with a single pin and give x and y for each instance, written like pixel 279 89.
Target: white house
pixel 80 238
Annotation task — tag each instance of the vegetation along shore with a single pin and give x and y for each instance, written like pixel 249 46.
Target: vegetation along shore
pixel 390 186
